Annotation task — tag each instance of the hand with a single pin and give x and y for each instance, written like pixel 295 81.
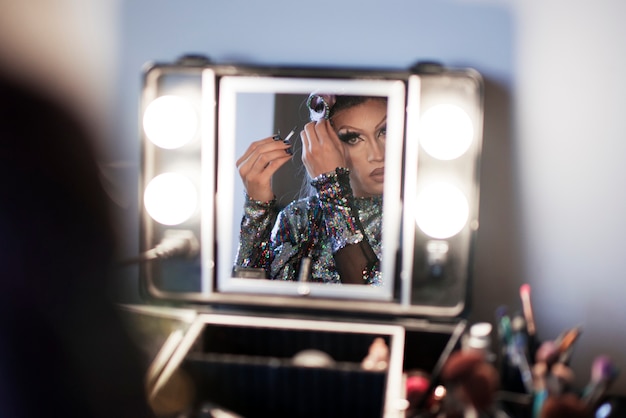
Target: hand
pixel 257 165
pixel 322 150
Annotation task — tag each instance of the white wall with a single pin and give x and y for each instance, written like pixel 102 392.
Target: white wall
pixel 571 145
pixel 552 199
pixel 566 176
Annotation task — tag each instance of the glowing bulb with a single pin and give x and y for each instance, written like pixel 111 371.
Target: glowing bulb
pixel 170 198
pixel 441 210
pixel 440 392
pixel 447 131
pixel 604 411
pixel 170 122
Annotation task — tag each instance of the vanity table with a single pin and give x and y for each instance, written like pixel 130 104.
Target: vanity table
pixel 221 341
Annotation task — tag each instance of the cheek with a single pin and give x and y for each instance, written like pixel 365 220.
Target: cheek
pixel 353 157
pixel 348 154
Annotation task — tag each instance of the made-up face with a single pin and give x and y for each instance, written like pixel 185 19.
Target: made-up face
pixel 363 131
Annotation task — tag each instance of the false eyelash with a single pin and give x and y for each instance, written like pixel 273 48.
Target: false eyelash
pixel 348 136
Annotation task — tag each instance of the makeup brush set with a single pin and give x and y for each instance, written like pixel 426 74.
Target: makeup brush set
pixel 543 367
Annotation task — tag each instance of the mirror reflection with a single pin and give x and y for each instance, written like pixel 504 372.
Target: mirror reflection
pixel 335 225
pixel 305 164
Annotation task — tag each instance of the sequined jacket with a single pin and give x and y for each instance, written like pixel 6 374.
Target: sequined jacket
pixel 317 227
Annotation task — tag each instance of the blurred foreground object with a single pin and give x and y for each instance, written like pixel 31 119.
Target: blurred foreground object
pixel 475 379
pixel 63 348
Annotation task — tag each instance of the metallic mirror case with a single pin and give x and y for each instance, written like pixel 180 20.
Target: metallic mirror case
pixel 240 340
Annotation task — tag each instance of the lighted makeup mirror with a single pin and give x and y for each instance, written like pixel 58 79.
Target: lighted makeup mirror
pixel 193 197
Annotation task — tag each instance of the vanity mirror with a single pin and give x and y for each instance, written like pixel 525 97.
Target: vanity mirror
pixel 198 119
pixel 242 100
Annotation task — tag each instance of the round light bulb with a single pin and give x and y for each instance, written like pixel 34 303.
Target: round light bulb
pixel 170 122
pixel 170 198
pixel 441 210
pixel 446 131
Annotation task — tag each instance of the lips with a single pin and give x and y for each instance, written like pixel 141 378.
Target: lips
pixel 378 174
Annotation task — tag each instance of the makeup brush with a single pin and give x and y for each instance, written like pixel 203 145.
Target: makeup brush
pixel 503 325
pixel 565 344
pixel 547 352
pixel 529 316
pixel 524 292
pixel 546 355
pixel 603 374
pixel 518 352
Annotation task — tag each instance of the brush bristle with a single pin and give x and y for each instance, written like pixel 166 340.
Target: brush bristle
pixel 602 368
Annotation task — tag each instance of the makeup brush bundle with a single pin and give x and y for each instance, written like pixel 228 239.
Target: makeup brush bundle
pixel 540 370
pixel 527 378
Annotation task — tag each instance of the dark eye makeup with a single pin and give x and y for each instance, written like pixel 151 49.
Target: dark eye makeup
pixel 349 137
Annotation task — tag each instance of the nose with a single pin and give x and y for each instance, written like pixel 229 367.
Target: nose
pixel 376 151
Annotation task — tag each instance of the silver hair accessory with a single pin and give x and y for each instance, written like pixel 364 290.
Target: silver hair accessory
pixel 319 105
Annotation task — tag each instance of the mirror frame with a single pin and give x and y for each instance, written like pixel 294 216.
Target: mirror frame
pixel 229 88
pixel 396 300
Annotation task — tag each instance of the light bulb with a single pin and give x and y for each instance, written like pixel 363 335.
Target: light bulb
pixel 446 131
pixel 170 198
pixel 170 122
pixel 441 210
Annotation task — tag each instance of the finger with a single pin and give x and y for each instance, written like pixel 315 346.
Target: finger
pixel 320 130
pixel 262 147
pixel 250 150
pixel 326 131
pixel 259 146
pixel 274 165
pixel 306 143
pixel 311 135
pixel 256 174
pixel 257 163
pixel 263 160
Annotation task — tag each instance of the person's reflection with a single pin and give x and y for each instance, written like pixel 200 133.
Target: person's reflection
pixel 337 227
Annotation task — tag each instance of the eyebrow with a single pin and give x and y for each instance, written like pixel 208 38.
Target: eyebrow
pixel 377 126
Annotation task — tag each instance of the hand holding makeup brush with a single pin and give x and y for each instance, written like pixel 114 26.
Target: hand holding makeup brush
pixel 259 163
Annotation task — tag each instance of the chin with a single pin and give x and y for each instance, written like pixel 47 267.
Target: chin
pixel 373 192
pixel 378 190
pixel 369 189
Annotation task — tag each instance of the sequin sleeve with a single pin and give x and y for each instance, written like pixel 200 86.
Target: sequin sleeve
pixel 293 238
pixel 354 257
pixel 254 238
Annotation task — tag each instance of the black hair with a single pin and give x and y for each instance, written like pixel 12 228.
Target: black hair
pixel 346 102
